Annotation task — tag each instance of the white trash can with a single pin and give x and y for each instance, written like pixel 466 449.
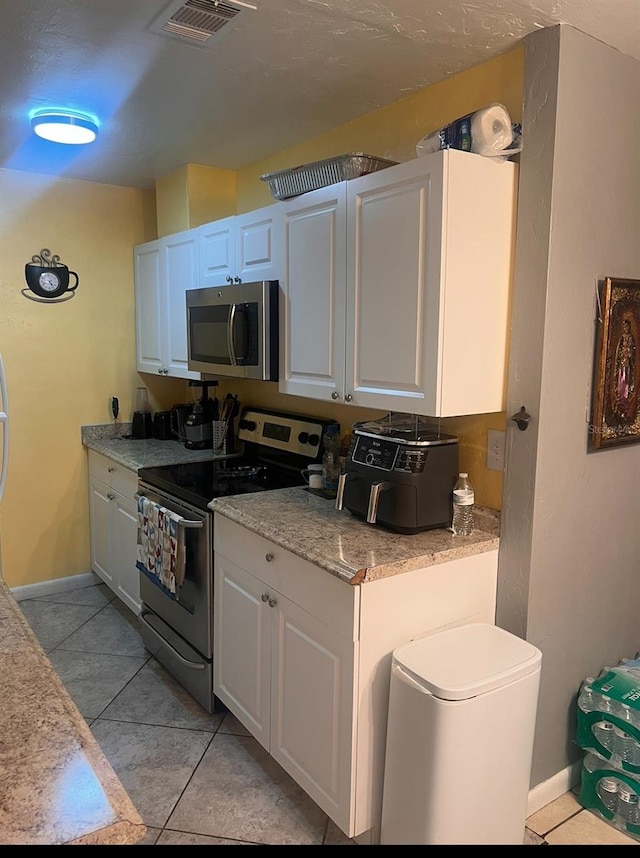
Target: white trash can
pixel 462 712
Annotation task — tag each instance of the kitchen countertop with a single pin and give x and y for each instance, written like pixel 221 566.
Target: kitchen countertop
pixel 56 786
pixel 309 525
pixel 134 454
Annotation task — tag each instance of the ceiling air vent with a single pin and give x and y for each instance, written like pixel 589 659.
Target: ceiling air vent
pixel 197 20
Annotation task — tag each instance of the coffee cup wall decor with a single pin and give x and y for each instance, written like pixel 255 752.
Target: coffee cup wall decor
pixel 48 278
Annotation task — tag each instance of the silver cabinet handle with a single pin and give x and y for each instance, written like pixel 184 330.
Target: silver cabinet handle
pixel 160 371
pixel 110 469
pixel 334 395
pixel 229 279
pixel 237 280
pixel 348 397
pixel 268 557
pixel 110 496
pixel 272 603
pixel 165 371
pixel 265 597
pixel 376 488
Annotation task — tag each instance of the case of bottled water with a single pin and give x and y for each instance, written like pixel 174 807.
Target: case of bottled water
pixel 608 715
pixel 611 794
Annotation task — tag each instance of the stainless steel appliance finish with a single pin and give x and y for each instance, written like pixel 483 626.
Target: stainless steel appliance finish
pixel 232 331
pixel 277 446
pixel 399 473
pixel 178 632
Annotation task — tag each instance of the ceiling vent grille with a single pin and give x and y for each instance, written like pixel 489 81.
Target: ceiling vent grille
pixel 196 20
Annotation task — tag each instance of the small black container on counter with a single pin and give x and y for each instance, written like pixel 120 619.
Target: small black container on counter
pixel 162 426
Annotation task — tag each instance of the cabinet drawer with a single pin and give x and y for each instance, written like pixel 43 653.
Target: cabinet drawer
pixel 326 597
pixel 117 477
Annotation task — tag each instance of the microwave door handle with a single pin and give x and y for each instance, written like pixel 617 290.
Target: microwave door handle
pixel 231 345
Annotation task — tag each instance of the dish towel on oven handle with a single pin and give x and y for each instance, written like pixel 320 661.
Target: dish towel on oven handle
pixel 160 548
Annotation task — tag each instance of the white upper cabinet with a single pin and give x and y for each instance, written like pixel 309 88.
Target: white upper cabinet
pixel 240 249
pixel 164 270
pixel 395 287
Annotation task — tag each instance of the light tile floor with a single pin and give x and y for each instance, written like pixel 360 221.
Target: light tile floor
pixel 197 778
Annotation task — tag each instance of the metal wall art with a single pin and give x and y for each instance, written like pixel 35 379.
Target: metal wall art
pixel 615 417
pixel 48 278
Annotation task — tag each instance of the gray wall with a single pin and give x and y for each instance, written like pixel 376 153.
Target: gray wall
pixel 569 563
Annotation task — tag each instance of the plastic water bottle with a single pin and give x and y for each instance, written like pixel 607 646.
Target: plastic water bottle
pixel 607 789
pixel 628 805
pixel 463 499
pixel 331 461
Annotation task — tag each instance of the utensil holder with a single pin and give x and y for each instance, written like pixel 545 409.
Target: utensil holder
pixel 218 432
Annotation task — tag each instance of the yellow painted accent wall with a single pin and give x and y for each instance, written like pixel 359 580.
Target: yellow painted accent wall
pixel 172 202
pixel 393 132
pixel 63 361
pixel 193 195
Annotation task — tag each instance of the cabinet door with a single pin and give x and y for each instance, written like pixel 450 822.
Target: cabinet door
pixel 216 253
pixel 312 317
pixel 150 307
pixel 312 727
pixel 180 260
pixel 394 236
pixel 242 646
pixel 123 541
pixel 100 523
pixel 259 244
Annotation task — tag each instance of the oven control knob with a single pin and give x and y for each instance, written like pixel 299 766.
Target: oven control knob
pixel 249 425
pixel 303 437
pixel 314 439
pixel 369 459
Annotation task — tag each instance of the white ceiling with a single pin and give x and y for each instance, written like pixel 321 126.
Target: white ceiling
pixel 270 78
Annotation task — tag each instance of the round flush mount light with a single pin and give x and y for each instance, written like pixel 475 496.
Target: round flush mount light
pixel 62 126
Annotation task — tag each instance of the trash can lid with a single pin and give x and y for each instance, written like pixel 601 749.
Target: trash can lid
pixel 464 661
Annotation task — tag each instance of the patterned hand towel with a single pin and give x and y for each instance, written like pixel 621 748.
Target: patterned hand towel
pixel 160 549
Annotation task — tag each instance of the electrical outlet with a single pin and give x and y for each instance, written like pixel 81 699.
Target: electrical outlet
pixel 495 450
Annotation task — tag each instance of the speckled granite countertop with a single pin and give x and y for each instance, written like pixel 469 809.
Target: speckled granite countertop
pixel 136 454
pixel 56 786
pixel 309 525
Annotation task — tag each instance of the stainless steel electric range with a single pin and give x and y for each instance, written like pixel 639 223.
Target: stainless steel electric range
pixel 276 447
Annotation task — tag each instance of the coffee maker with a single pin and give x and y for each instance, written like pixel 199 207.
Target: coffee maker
pixel 198 426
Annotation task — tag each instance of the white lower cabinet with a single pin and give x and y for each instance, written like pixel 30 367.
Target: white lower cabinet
pixel 113 516
pixel 303 659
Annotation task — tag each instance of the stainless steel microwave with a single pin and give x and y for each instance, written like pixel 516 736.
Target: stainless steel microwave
pixel 233 330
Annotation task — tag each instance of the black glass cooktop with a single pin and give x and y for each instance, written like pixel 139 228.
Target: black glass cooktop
pixel 198 483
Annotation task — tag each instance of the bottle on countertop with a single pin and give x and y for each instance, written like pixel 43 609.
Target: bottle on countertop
pixel 463 500
pixel 331 461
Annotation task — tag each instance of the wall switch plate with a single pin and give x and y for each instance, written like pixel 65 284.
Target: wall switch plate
pixel 495 450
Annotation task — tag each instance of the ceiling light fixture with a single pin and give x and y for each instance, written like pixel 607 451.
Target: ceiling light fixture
pixel 62 126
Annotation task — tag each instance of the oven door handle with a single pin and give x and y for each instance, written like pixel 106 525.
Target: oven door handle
pixel 194 665
pixel 183 522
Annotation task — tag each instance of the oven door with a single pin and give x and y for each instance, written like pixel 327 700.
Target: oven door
pixel 178 632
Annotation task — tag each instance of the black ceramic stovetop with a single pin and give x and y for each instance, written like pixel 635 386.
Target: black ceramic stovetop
pixel 198 483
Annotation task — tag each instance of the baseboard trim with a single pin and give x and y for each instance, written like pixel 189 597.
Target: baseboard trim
pixel 549 790
pixel 60 585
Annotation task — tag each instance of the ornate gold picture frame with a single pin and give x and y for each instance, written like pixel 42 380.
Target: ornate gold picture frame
pixel 615 416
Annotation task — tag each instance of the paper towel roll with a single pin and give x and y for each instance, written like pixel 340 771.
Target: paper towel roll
pixel 491 130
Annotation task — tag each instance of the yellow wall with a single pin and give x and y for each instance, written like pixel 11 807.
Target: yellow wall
pixel 65 361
